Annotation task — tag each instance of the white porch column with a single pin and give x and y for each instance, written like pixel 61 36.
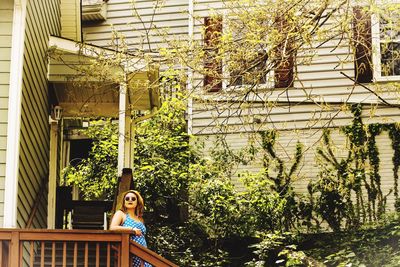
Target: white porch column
pixel 122 126
pixel 128 139
pixel 51 203
pixel 14 115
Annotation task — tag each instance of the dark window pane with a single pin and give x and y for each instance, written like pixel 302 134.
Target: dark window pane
pixel 390 59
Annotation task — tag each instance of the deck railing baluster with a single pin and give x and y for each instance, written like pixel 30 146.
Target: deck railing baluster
pixel 64 264
pixel 1 253
pixel 42 254
pixel 108 254
pixel 86 254
pixel 75 254
pixel 97 254
pixel 53 254
pixel 119 256
pixel 31 253
pixel 20 254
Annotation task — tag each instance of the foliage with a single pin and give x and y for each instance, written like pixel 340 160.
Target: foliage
pixel 344 180
pixel 282 180
pixel 375 245
pixel 96 176
pixel 162 158
pixel 264 207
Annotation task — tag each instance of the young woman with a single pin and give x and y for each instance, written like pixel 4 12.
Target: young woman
pixel 130 218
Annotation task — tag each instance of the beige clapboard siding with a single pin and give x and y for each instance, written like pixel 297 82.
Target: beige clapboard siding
pixel 308 168
pixel 70 19
pixel 41 22
pixel 207 121
pixel 171 18
pixel 6 18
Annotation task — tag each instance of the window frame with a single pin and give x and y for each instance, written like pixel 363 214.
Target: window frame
pixel 376 50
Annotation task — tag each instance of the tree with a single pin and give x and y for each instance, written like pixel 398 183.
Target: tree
pixel 96 176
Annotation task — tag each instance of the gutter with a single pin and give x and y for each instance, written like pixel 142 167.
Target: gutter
pixel 14 115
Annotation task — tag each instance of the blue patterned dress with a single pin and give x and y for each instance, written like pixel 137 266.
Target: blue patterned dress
pixel 129 222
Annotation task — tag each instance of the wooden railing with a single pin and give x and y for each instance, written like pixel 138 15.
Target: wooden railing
pixel 72 248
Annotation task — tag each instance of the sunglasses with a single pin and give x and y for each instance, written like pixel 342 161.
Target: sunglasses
pixel 130 198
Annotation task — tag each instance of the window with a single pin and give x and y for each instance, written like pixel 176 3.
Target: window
pixel 363 45
pixel 386 43
pixel 212 60
pixel 250 71
pixel 284 55
pixel 247 61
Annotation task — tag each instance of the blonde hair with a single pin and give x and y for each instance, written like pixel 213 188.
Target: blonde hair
pixel 140 203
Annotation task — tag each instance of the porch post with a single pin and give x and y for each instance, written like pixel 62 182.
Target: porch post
pixel 14 115
pixel 122 138
pixel 128 140
pixel 51 204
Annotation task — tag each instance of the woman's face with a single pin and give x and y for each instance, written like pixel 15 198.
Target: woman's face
pixel 130 201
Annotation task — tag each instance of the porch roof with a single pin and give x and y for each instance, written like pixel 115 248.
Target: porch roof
pixel 84 85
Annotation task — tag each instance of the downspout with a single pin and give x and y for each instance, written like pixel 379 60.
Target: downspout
pixel 14 115
pixel 190 71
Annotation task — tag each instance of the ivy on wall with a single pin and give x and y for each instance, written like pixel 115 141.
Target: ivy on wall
pixel 357 173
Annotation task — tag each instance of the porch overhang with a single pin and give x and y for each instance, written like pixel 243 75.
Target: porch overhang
pixel 84 91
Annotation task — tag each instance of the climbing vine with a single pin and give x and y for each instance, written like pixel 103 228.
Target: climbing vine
pixel 283 177
pixel 339 179
pixel 394 134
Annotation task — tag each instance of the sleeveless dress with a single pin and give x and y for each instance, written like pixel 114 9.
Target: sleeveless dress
pixel 129 222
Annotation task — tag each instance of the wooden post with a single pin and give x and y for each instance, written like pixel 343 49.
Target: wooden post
pixel 51 204
pixel 125 250
pixel 125 184
pixel 14 250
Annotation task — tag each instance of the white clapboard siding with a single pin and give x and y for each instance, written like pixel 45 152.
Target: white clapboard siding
pixel 42 21
pixel 167 20
pixel 219 118
pixel 6 19
pixel 308 168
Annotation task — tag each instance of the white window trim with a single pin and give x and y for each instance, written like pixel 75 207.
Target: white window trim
pixel 376 52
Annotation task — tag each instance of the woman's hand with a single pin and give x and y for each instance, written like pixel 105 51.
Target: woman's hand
pixel 136 231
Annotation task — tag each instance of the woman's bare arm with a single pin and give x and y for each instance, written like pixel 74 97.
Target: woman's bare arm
pixel 117 220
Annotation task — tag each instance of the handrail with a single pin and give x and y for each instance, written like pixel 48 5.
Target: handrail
pixel 19 247
pixel 149 256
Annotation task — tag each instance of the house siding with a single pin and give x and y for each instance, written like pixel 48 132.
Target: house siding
pixel 6 19
pixel 71 19
pixel 320 77
pixel 168 20
pixel 42 20
pixel 308 169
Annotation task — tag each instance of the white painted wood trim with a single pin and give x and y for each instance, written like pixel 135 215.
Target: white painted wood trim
pixel 376 52
pixel 14 115
pixel 128 159
pixel 78 20
pixel 78 48
pixel 121 126
pixel 190 71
